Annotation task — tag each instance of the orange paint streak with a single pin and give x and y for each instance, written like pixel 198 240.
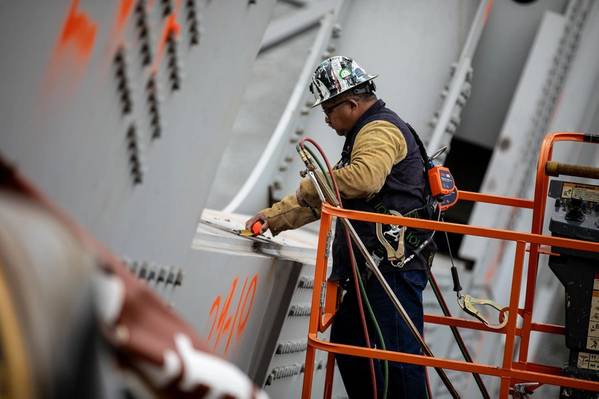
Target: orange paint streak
pixel 215 306
pixel 225 323
pixel 72 51
pixel 246 311
pixel 80 31
pixel 171 27
pixel 235 317
pixel 123 15
pixel 120 22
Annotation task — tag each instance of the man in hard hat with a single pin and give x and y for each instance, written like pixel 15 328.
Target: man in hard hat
pixel 381 170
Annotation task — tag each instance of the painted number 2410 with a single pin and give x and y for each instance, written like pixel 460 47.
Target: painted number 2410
pixel 227 325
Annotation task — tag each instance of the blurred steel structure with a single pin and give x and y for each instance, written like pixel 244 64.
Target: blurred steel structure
pixel 121 112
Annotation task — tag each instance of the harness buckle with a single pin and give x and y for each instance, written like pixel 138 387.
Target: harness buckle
pixel 396 233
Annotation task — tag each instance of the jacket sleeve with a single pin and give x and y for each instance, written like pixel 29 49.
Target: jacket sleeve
pixel 378 147
pixel 288 214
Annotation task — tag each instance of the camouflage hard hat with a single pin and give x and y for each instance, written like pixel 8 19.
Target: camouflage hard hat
pixel 336 75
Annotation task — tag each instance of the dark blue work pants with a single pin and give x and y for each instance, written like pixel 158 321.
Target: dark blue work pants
pixel 405 380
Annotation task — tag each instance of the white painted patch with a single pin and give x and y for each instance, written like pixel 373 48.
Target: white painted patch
pixel 261 395
pixel 109 293
pixel 220 376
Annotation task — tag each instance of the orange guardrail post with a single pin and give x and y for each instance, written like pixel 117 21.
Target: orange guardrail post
pixel 319 276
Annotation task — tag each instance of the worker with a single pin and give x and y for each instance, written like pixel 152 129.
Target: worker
pixel 381 169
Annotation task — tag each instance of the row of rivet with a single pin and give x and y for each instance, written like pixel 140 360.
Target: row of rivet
pixel 192 19
pixel 306 282
pixel 173 63
pixel 153 107
pixel 143 33
pixel 150 272
pixel 284 372
pixel 299 310
pixel 131 137
pixel 134 154
pixel 122 81
pixel 289 371
pixel 291 347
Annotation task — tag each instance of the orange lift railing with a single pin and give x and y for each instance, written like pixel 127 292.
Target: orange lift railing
pixel 513 369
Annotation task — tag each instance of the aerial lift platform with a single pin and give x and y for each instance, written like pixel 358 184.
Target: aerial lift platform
pixel 519 376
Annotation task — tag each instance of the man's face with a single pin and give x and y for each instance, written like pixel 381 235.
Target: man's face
pixel 340 115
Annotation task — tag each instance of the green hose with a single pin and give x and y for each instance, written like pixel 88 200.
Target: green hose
pixel 378 332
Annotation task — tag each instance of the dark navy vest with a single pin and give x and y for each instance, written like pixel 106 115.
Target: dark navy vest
pixel 403 191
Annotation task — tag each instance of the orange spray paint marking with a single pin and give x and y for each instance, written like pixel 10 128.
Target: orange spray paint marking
pixel 245 312
pixel 225 323
pixel 224 320
pixel 78 30
pixel 214 308
pixel 73 49
pixel 123 15
pixel 120 22
pixel 171 28
pixel 235 317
